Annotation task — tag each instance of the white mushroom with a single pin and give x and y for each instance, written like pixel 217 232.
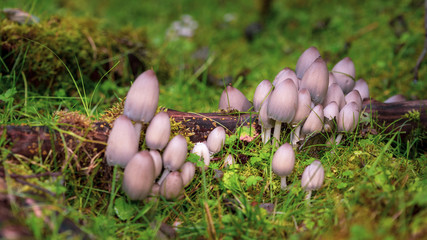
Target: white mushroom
pixel 138 177
pixel 174 156
pixel 305 60
pixel 232 98
pixel 216 140
pixel 158 131
pixel 283 162
pixel 312 177
pixel 316 80
pixel 344 72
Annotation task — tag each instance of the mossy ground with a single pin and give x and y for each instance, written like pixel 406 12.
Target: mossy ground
pixel 375 185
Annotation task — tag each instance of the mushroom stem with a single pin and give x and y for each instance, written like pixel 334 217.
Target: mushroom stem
pixel 308 197
pixel 283 184
pixel 138 127
pixel 267 135
pixel 295 135
pixel 338 139
pixel 276 134
pixel 164 175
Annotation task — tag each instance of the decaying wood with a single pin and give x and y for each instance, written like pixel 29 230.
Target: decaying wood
pixel 39 141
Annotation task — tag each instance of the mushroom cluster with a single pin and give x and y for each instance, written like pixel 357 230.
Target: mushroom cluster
pixel 141 169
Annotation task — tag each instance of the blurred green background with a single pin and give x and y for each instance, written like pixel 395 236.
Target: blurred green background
pixel 383 38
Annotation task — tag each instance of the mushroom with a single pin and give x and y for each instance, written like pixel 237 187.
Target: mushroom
pixel 158 162
pixel 362 87
pixel 158 131
pixel 229 160
pixel 285 74
pixel 142 99
pixel 354 96
pixel 332 79
pixel 261 93
pixel 312 178
pixel 172 186
pixel 202 150
pixel 314 121
pixel 174 156
pixel 316 80
pixel 344 73
pixel 305 60
pixel 138 176
pixel 187 172
pixel 348 119
pixel 232 98
pixel 395 98
pixel 334 94
pixel 122 142
pixel 266 122
pixel 330 112
pixel 303 110
pixel 282 105
pixel 283 162
pixel 216 140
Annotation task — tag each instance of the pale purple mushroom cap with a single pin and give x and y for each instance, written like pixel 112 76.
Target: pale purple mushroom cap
pixel 283 160
pixel 188 170
pixel 138 177
pixel 261 93
pixel 313 176
pixel 334 94
pixel 143 97
pixel 395 98
pixel 158 131
pixel 285 74
pixel 363 88
pixel 202 150
pixel 172 186
pixel 175 153
pixel 314 121
pixel 304 106
pixel 122 142
pixel 354 96
pixel 263 118
pixel 348 117
pixel 331 111
pixel 345 72
pixel 283 102
pixel 232 98
pixel 316 80
pixel 305 60
pixel 216 139
pixel 158 162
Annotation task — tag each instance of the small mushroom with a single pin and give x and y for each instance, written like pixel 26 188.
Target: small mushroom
pixel 334 94
pixel 362 87
pixel 229 160
pixel 158 131
pixel 330 112
pixel 285 74
pixel 138 177
pixel 202 150
pixel 158 162
pixel 122 142
pixel 314 122
pixel 312 178
pixel 354 96
pixel 266 123
pixel 216 140
pixel 316 80
pixel 261 93
pixel 282 105
pixel 344 72
pixel 172 186
pixel 303 110
pixel 174 156
pixel 232 98
pixel 305 60
pixel 283 162
pixel 187 172
pixel 395 98
pixel 348 119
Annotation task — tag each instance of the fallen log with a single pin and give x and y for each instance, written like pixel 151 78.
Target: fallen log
pixel 31 141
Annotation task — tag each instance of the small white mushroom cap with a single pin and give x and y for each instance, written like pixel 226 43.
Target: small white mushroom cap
pixel 283 102
pixel 175 153
pixel 232 98
pixel 283 160
pixel 188 171
pixel 216 139
pixel 122 142
pixel 348 117
pixel 362 87
pixel 313 176
pixel 395 98
pixel 158 162
pixel 331 111
pixel 261 93
pixel 305 60
pixel 172 186
pixel 229 160
pixel 138 177
pixel 143 97
pixel 334 94
pixel 285 74
pixel 304 106
pixel 344 72
pixel 314 122
pixel 158 131
pixel 354 96
pixel 202 150
pixel 316 80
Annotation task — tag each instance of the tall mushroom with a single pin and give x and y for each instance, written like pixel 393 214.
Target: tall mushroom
pixel 305 60
pixel 344 72
pixel 316 80
pixel 303 110
pixel 285 74
pixel 261 93
pixel 138 177
pixel 283 162
pixel 232 98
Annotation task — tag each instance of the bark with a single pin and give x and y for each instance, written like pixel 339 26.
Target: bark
pixel 39 141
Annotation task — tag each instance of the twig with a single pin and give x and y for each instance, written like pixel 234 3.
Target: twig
pixel 35 186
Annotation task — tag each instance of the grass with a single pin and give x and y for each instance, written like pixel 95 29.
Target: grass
pixel 375 185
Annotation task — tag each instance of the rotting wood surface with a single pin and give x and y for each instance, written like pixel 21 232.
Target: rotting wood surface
pixel 32 141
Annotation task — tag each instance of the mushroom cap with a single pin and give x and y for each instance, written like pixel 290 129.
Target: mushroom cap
pixel 395 98
pixel 232 98
pixel 122 142
pixel 316 80
pixel 229 160
pixel 158 162
pixel 188 171
pixel 348 117
pixel 216 139
pixel 175 153
pixel 283 102
pixel 344 72
pixel 332 79
pixel 143 97
pixel 172 186
pixel 314 122
pixel 261 93
pixel 158 131
pixel 331 111
pixel 313 176
pixel 285 74
pixel 138 177
pixel 334 94
pixel 202 150
pixel 362 87
pixel 304 106
pixel 263 118
pixel 354 96
pixel 305 60
pixel 283 160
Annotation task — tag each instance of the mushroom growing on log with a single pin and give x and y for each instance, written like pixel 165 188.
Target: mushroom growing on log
pixel 39 141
